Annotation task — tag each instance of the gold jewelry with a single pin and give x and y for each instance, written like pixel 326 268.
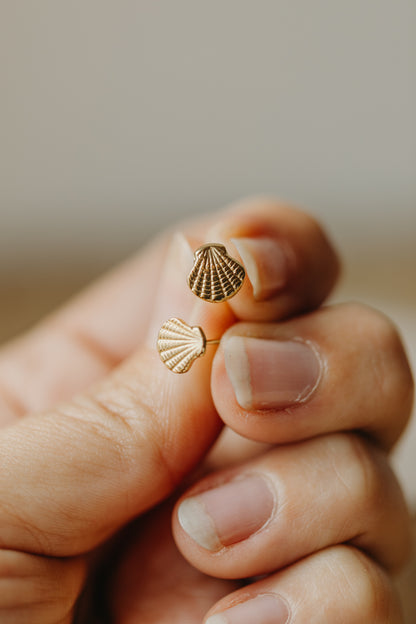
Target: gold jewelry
pixel 179 344
pixel 215 276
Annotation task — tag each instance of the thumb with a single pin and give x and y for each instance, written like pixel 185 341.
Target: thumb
pixel 70 477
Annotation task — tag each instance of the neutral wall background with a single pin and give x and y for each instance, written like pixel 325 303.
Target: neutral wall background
pixel 115 116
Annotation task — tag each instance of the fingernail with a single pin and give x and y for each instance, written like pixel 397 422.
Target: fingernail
pixel 268 373
pixel 228 513
pixel 266 264
pixel 173 296
pixel 265 609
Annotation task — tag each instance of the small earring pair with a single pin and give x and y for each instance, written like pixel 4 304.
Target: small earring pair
pixel 215 277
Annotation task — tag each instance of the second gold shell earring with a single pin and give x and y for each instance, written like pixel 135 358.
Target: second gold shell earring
pixel 179 344
pixel 215 276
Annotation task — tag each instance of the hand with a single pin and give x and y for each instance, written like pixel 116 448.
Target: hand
pixel 75 474
pixel 321 513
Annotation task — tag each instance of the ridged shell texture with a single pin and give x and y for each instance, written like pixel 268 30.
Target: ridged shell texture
pixel 215 276
pixel 179 345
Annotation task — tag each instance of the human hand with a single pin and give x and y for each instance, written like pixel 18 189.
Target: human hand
pixel 320 514
pixel 322 510
pixel 75 474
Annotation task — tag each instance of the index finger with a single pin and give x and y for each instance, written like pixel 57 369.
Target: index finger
pixel 290 265
pixel 290 262
pixel 340 368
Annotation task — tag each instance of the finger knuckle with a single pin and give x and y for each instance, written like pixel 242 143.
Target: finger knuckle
pixel 391 367
pixel 368 484
pixel 358 474
pixel 371 496
pixel 369 590
pixel 385 356
pixel 373 323
pixel 40 589
pixel 386 336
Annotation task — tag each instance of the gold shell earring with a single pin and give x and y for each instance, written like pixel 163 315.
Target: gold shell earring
pixel 179 344
pixel 215 276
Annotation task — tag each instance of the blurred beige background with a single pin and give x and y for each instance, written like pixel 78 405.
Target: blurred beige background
pixel 118 117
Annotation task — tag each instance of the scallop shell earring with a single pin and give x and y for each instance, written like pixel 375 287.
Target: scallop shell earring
pixel 179 344
pixel 215 276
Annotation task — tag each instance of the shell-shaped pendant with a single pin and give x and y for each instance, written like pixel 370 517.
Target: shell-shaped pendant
pixel 215 276
pixel 179 345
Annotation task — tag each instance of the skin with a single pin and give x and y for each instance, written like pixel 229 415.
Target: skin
pixel 99 442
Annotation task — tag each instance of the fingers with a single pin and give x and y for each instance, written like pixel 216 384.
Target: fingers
pixel 152 582
pixel 340 368
pixel 128 441
pixel 339 584
pixel 83 341
pixel 292 502
pixel 39 590
pixel 73 475
pixel 290 263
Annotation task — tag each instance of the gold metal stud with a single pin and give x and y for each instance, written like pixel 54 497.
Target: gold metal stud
pixel 179 344
pixel 215 276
